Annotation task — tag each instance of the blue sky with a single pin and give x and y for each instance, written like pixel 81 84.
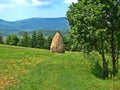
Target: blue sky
pixel 12 10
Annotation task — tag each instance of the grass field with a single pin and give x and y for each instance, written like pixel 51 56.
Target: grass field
pixel 35 69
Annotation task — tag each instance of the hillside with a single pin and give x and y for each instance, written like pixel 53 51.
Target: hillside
pixel 35 69
pixel 51 24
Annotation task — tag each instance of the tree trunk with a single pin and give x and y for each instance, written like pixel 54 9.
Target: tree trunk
pixel 114 63
pixel 105 64
pixel 117 57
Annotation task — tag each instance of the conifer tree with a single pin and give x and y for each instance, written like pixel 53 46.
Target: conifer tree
pixel 40 40
pixel 33 39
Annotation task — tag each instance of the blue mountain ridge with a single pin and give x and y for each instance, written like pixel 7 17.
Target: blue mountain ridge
pixel 49 24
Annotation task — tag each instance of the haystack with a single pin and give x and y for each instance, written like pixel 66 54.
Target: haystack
pixel 57 45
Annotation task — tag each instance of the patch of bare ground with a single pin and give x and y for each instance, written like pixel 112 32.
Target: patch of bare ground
pixel 4 82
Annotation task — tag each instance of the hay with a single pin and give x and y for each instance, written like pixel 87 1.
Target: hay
pixel 57 45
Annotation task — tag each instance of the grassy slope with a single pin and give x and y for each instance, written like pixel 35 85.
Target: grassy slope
pixel 34 69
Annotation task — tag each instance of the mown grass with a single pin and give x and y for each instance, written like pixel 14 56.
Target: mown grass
pixel 35 69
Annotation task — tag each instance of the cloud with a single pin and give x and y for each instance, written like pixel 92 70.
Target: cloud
pixel 21 9
pixel 47 3
pixel 15 2
pixel 40 3
pixel 4 6
pixel 7 4
pixel 19 1
pixel 70 1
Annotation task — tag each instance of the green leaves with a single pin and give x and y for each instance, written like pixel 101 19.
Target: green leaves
pixel 12 39
pixel 88 18
pixel 95 25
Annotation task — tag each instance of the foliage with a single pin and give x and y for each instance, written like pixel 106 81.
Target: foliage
pixel 48 41
pixel 40 40
pixel 1 39
pixel 68 43
pixel 96 68
pixel 12 39
pixel 33 39
pixel 25 40
pixel 95 26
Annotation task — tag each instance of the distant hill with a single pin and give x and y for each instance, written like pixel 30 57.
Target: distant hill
pixel 47 24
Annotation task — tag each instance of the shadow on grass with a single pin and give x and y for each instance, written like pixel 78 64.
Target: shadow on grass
pixel 97 70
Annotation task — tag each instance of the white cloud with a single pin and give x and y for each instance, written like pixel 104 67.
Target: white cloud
pixel 70 1
pixel 40 3
pixel 20 2
pixel 12 4
pixel 4 6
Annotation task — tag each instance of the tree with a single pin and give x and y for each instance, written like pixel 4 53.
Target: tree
pixel 25 40
pixel 12 40
pixel 48 41
pixel 68 43
pixel 40 41
pixel 95 25
pixel 1 39
pixel 33 39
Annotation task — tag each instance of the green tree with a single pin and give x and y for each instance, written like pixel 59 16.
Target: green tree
pixel 40 41
pixel 12 39
pixel 48 41
pixel 33 39
pixel 95 25
pixel 1 39
pixel 68 43
pixel 25 40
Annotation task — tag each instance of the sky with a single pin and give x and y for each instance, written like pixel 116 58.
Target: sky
pixel 13 10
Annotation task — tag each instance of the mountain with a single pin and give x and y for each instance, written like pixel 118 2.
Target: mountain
pixel 49 24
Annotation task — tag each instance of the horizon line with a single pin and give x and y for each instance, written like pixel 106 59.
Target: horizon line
pixel 32 18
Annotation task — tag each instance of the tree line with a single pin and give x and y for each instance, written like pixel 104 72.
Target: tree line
pixel 33 40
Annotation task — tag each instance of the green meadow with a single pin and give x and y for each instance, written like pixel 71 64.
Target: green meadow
pixel 36 69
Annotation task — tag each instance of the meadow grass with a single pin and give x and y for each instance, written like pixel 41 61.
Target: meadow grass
pixel 36 69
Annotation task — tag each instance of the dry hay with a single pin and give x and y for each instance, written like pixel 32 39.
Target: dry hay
pixel 57 45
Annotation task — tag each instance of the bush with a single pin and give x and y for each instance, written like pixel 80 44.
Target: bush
pixel 12 40
pixel 97 68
